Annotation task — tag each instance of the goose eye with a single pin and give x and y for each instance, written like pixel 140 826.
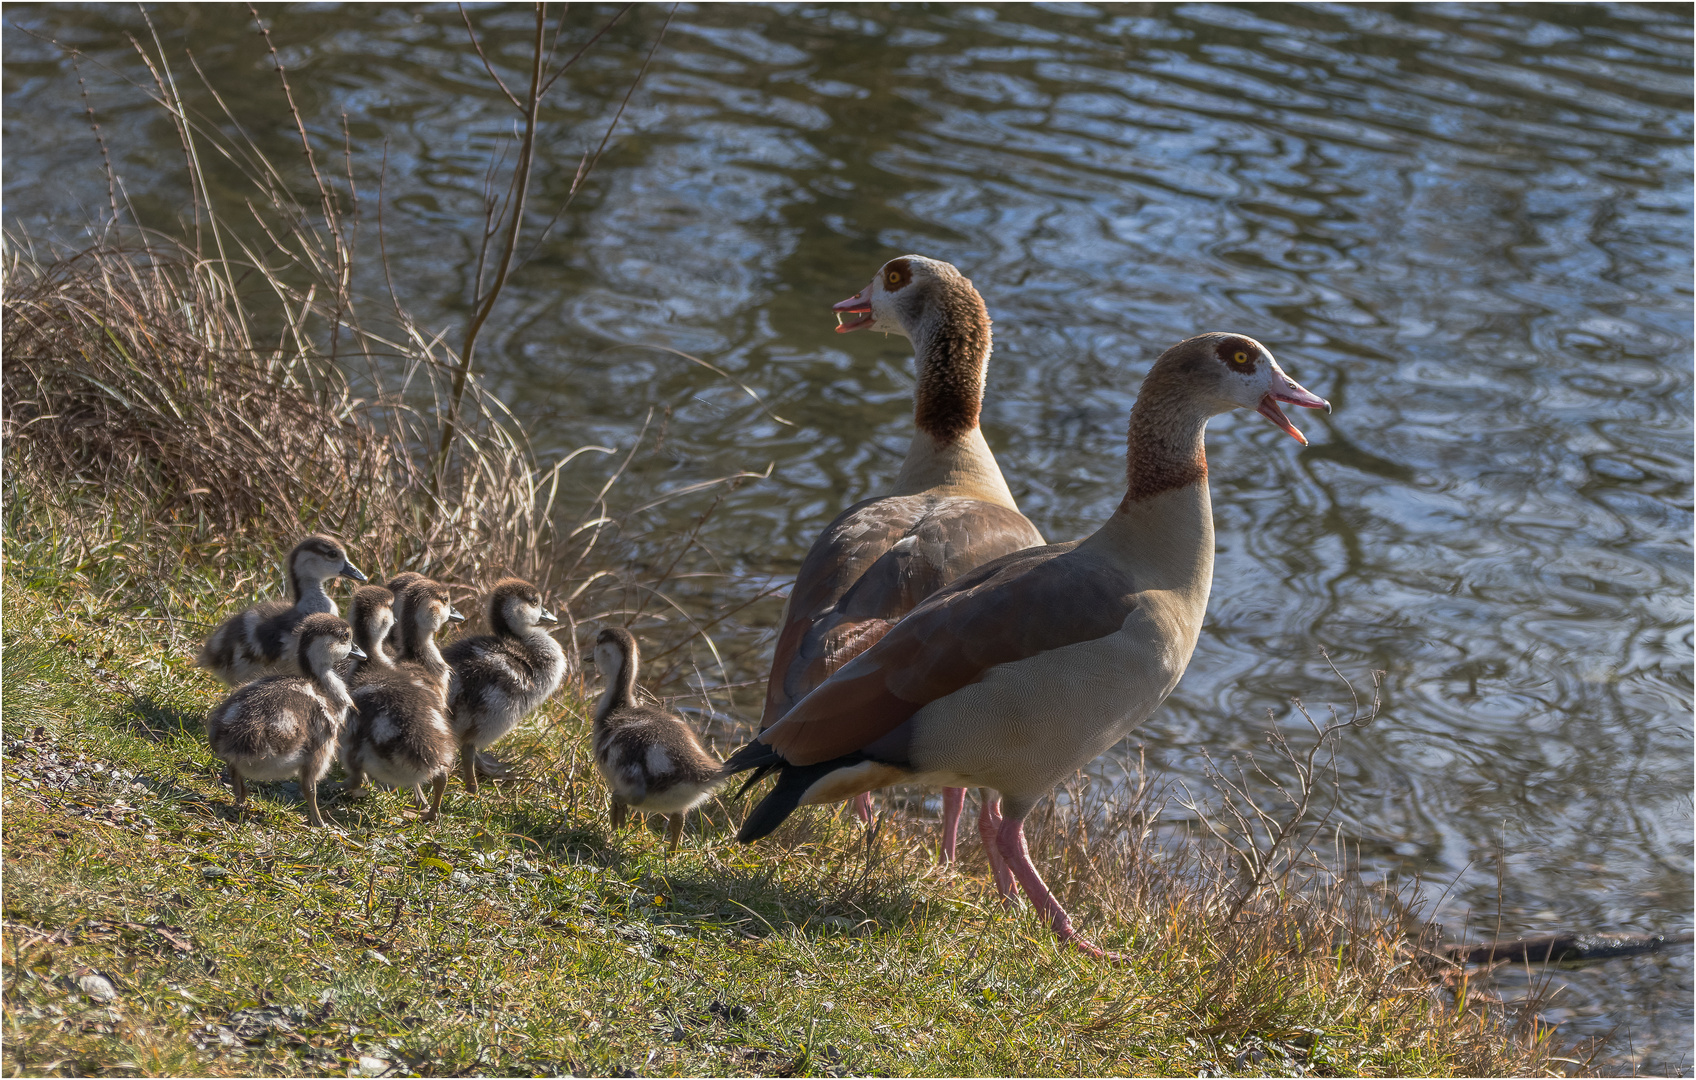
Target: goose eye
pixel 894 277
pixel 1241 357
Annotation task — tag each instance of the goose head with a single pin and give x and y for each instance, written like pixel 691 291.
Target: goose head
pixel 320 558
pixel 1231 371
pixel 325 641
pixel 515 608
pixel 910 296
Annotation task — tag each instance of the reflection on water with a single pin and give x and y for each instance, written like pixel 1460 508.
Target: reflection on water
pixel 1467 226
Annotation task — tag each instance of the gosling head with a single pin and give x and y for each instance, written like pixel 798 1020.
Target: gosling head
pixel 515 608
pixel 615 652
pixel 323 642
pixel 372 615
pixel 320 558
pixel 430 606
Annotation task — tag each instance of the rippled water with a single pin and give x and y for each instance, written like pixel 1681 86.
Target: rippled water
pixel 1467 226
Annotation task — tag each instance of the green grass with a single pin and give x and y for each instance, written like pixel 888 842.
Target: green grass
pixel 518 935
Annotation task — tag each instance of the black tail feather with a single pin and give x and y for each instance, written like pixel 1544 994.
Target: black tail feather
pixel 785 795
pixel 792 783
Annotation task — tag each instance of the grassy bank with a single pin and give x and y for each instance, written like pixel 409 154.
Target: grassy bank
pixel 151 930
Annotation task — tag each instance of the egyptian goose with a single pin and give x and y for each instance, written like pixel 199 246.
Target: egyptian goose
pixel 652 761
pixel 1023 670
pixel 287 725
pixel 259 640
pixel 399 734
pixel 495 679
pixel 371 615
pixel 949 512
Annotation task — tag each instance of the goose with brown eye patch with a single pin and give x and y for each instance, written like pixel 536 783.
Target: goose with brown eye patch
pixel 260 641
pixel 950 509
pixel 1016 674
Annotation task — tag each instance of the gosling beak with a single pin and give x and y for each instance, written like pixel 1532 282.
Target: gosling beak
pixel 860 304
pixel 588 657
pixel 547 616
pixel 1287 390
pixel 351 571
pixel 357 653
pixel 454 615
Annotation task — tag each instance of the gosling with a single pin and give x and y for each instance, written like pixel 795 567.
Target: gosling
pixel 498 678
pixel 287 725
pixel 399 734
pixel 259 641
pixel 651 760
pixel 371 615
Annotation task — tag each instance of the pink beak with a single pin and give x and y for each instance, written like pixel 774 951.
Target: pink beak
pixel 1287 390
pixel 859 304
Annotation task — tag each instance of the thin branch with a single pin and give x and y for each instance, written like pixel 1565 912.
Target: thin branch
pixel 475 44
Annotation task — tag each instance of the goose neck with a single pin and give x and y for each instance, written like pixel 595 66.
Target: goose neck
pixel 964 467
pixel 951 355
pixel 1162 531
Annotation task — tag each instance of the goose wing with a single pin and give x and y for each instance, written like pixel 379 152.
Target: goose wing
pixel 877 561
pixel 1022 604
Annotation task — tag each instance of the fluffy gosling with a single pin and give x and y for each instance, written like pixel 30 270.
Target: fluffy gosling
pixel 651 760
pixel 497 678
pixel 259 641
pixel 287 725
pixel 399 734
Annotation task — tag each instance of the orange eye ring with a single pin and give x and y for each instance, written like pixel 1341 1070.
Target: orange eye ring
pixel 894 277
pixel 1241 357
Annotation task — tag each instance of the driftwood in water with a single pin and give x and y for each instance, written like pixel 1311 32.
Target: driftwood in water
pixel 1560 948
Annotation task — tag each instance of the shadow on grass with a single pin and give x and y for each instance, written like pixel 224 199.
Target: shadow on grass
pixel 154 719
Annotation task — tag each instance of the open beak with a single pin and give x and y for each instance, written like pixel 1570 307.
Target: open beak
pixel 859 305
pixel 351 571
pixel 357 653
pixel 1287 390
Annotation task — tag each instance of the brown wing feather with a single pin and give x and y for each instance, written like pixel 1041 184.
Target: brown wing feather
pixel 853 586
pixel 1020 605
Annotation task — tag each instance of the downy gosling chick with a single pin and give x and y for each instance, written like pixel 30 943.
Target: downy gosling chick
pixel 259 641
pixel 371 615
pixel 399 733
pixel 651 760
pixel 497 678
pixel 287 725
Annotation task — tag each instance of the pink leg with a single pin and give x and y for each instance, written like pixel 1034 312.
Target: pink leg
pixel 1011 840
pixel 863 806
pixel 989 824
pixel 953 799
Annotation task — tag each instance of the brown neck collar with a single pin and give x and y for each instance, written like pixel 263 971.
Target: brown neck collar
pixel 1165 445
pixel 952 347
